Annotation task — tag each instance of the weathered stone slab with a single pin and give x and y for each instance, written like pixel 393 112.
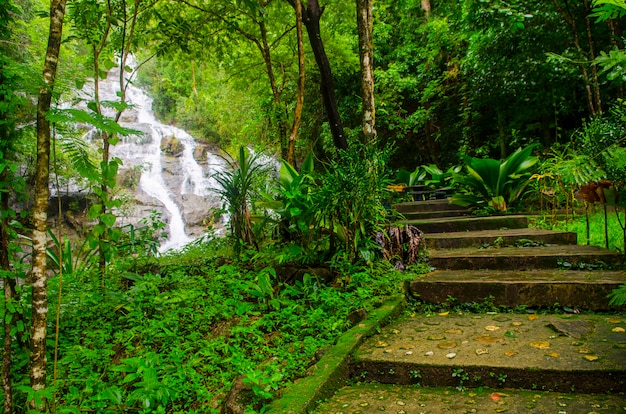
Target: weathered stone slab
pixel 429 205
pixel 452 224
pixel 498 238
pixel 524 353
pixel 525 258
pixel 537 288
pixel 376 398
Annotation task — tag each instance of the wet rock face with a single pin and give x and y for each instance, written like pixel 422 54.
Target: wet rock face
pixel 171 146
pixel 194 208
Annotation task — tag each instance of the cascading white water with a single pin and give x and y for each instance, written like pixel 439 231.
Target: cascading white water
pixel 145 152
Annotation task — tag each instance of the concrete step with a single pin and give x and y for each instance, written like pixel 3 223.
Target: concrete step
pixel 508 237
pixel 559 353
pixel 428 205
pixel 455 224
pixel 373 398
pixel 534 288
pixel 521 258
pixel 423 215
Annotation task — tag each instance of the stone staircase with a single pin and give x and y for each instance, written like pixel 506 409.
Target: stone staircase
pixel 517 362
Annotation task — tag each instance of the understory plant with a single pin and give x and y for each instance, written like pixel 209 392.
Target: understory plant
pixel 351 198
pixel 238 187
pixel 176 333
pixel 494 185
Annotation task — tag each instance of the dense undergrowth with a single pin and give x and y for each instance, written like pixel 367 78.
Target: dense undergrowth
pixel 596 236
pixel 172 334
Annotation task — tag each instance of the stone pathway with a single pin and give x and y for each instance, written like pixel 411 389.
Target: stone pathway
pixel 496 362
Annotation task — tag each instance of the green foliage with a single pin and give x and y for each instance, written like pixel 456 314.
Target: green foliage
pixel 495 185
pixel 71 259
pixel 294 203
pixel 411 178
pixel 172 333
pixel 143 239
pixel 238 188
pixel 351 199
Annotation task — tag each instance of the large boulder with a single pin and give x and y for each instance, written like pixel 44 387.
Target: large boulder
pixel 194 209
pixel 170 145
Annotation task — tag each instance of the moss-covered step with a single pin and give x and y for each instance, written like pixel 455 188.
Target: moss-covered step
pixel 428 205
pixel 373 398
pixel 534 288
pixel 508 237
pixel 522 258
pixel 561 353
pixel 332 371
pixel 453 224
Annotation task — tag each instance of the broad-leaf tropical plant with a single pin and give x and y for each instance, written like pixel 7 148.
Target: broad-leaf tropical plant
pixel 492 184
pixel 294 203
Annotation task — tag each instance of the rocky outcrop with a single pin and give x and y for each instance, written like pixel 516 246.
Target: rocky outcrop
pixel 195 210
pixel 171 146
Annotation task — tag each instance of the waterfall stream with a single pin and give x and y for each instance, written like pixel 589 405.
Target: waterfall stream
pixel 178 185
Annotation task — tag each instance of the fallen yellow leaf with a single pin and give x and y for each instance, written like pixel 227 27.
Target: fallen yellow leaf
pixel 591 357
pixel 444 313
pixel 533 317
pixel 540 344
pixel 491 328
pixel 618 329
pixel 488 339
pixel 510 353
pixel 554 354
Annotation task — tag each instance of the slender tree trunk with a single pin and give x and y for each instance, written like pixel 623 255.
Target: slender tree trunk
pixel 592 55
pixel 9 297
pixel 297 114
pixel 426 7
pixel 312 15
pixel 40 207
pixel 571 20
pixel 365 24
pixel 501 134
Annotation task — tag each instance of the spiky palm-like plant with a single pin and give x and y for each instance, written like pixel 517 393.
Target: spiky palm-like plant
pixel 237 186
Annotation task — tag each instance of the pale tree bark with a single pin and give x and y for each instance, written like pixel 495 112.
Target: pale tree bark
pixel 40 207
pixel 297 114
pixel 365 24
pixel 426 7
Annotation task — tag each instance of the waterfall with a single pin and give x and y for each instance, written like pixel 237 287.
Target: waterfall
pixel 170 183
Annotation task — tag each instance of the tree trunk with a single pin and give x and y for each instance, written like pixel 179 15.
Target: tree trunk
pixel 312 14
pixel 9 297
pixel 365 24
pixel 592 57
pixel 427 8
pixel 40 207
pixel 297 114
pixel 571 20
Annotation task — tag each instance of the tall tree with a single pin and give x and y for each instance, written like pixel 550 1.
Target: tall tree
pixel 312 14
pixel 297 113
pixel 365 25
pixel 40 207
